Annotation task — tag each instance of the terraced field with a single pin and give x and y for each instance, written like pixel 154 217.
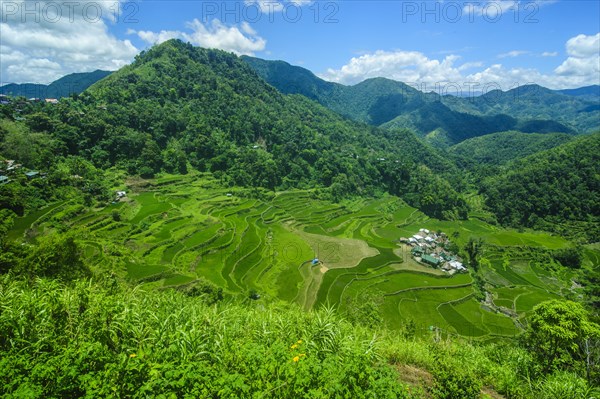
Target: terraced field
pixel 175 231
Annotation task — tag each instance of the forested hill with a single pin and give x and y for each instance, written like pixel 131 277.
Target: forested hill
pixel 591 91
pixel 537 105
pixel 391 104
pixel 501 148
pixel 74 83
pixel 552 189
pixel 177 104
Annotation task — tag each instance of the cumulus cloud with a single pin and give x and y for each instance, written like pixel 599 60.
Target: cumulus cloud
pixel 550 54
pixel 405 66
pixel 240 39
pixel 470 65
pixel 582 67
pixel 583 60
pixel 44 40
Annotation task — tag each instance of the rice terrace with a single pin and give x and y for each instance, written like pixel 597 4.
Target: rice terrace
pixel 180 231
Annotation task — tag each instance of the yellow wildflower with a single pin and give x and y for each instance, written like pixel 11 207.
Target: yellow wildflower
pixel 133 355
pixel 296 358
pixel 294 346
pixel 299 342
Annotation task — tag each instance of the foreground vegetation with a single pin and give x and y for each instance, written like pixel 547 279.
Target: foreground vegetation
pixel 94 339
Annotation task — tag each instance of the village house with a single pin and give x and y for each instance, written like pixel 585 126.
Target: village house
pixel 32 174
pixel 429 248
pixel 11 166
pixel 430 260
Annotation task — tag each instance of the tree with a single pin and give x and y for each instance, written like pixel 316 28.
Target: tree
pixel 174 158
pixel 150 159
pixel 7 218
pixel 557 333
pixel 56 256
pixel 569 257
pixel 473 248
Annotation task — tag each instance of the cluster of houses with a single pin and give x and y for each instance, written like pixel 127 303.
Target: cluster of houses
pixel 9 168
pixel 5 100
pixel 431 249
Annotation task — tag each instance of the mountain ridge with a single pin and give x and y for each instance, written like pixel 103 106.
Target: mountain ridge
pixel 396 104
pixel 73 83
pixel 178 104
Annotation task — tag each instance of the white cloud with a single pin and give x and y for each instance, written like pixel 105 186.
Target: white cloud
pixel 470 65
pixel 582 46
pixel 58 38
pixel 581 68
pixel 230 38
pixel 584 58
pixel 513 54
pixel 240 40
pixel 156 37
pixel 405 66
pixel 550 54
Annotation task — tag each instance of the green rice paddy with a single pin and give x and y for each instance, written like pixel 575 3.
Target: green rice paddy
pixel 178 230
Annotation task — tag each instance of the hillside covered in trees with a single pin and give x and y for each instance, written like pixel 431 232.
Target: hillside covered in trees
pixel 551 190
pixel 177 104
pixel 500 148
pixel 446 119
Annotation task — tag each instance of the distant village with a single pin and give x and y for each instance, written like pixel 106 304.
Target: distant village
pixel 5 100
pixel 9 168
pixel 431 249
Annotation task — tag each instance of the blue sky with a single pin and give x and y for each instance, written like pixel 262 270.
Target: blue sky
pixel 502 42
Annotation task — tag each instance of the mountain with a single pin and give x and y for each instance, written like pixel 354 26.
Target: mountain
pixel 541 109
pixel 178 104
pixel 593 90
pixel 290 79
pixel 391 104
pixel 500 148
pixel 557 189
pixel 29 90
pixel 74 83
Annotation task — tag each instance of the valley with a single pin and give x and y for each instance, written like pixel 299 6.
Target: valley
pixel 201 224
pixel 182 231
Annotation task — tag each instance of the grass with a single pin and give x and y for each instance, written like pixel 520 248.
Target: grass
pixel 180 229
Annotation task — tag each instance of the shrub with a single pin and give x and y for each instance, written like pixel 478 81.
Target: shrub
pixel 453 381
pixel 563 385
